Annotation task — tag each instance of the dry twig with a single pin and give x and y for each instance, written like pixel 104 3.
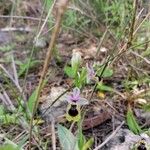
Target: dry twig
pixel 60 12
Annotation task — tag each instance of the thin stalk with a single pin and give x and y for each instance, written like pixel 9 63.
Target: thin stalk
pixel 62 5
pixel 131 34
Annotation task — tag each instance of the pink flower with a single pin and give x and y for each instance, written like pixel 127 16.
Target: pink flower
pixel 74 96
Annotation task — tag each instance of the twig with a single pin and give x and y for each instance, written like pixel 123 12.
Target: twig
pixel 12 12
pixel 101 42
pixel 110 137
pixel 23 29
pixel 119 93
pixel 14 70
pixel 131 33
pixel 49 12
pixel 6 100
pixel 20 136
pixel 60 12
pixel 13 80
pixel 139 14
pixel 138 55
pixel 141 23
pixel 16 78
pixel 25 17
pixel 53 135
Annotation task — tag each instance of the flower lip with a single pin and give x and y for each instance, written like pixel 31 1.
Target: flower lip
pixel 73 111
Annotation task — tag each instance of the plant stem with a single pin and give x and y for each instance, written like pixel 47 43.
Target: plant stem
pixel 60 12
pixel 131 34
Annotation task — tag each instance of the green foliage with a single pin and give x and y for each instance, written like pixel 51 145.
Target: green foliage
pixel 31 101
pixel 70 142
pixel 24 66
pixel 69 72
pixel 82 143
pixel 116 13
pixel 70 19
pixel 66 138
pixel 103 87
pixel 6 48
pixel 146 107
pixel 78 76
pixel 106 74
pixel 6 118
pixel 48 3
pixel 81 140
pixel 130 84
pixel 132 123
pixel 9 145
pixel 80 80
pixel 13 117
pixel 88 144
pixel 75 72
pixel 2 111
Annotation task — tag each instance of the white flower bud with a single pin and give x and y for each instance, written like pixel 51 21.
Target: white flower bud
pixel 76 59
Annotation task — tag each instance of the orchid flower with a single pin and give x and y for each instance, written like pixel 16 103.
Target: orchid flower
pixel 74 96
pixel 73 113
pixel 75 101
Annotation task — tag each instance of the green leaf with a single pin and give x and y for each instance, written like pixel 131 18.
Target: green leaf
pixel 132 123
pixel 103 87
pixel 48 4
pixel 69 72
pixel 6 48
pixel 88 144
pixel 81 140
pixel 81 79
pixel 130 84
pixel 146 107
pixel 9 145
pixel 66 138
pixel 107 72
pixel 31 101
pixel 8 119
pixel 25 66
pixel 2 111
pixel 83 75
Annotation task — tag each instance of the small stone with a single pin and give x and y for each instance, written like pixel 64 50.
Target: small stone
pixel 53 110
pixel 40 43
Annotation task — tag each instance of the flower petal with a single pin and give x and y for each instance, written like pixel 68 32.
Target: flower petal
pixel 82 101
pixel 76 92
